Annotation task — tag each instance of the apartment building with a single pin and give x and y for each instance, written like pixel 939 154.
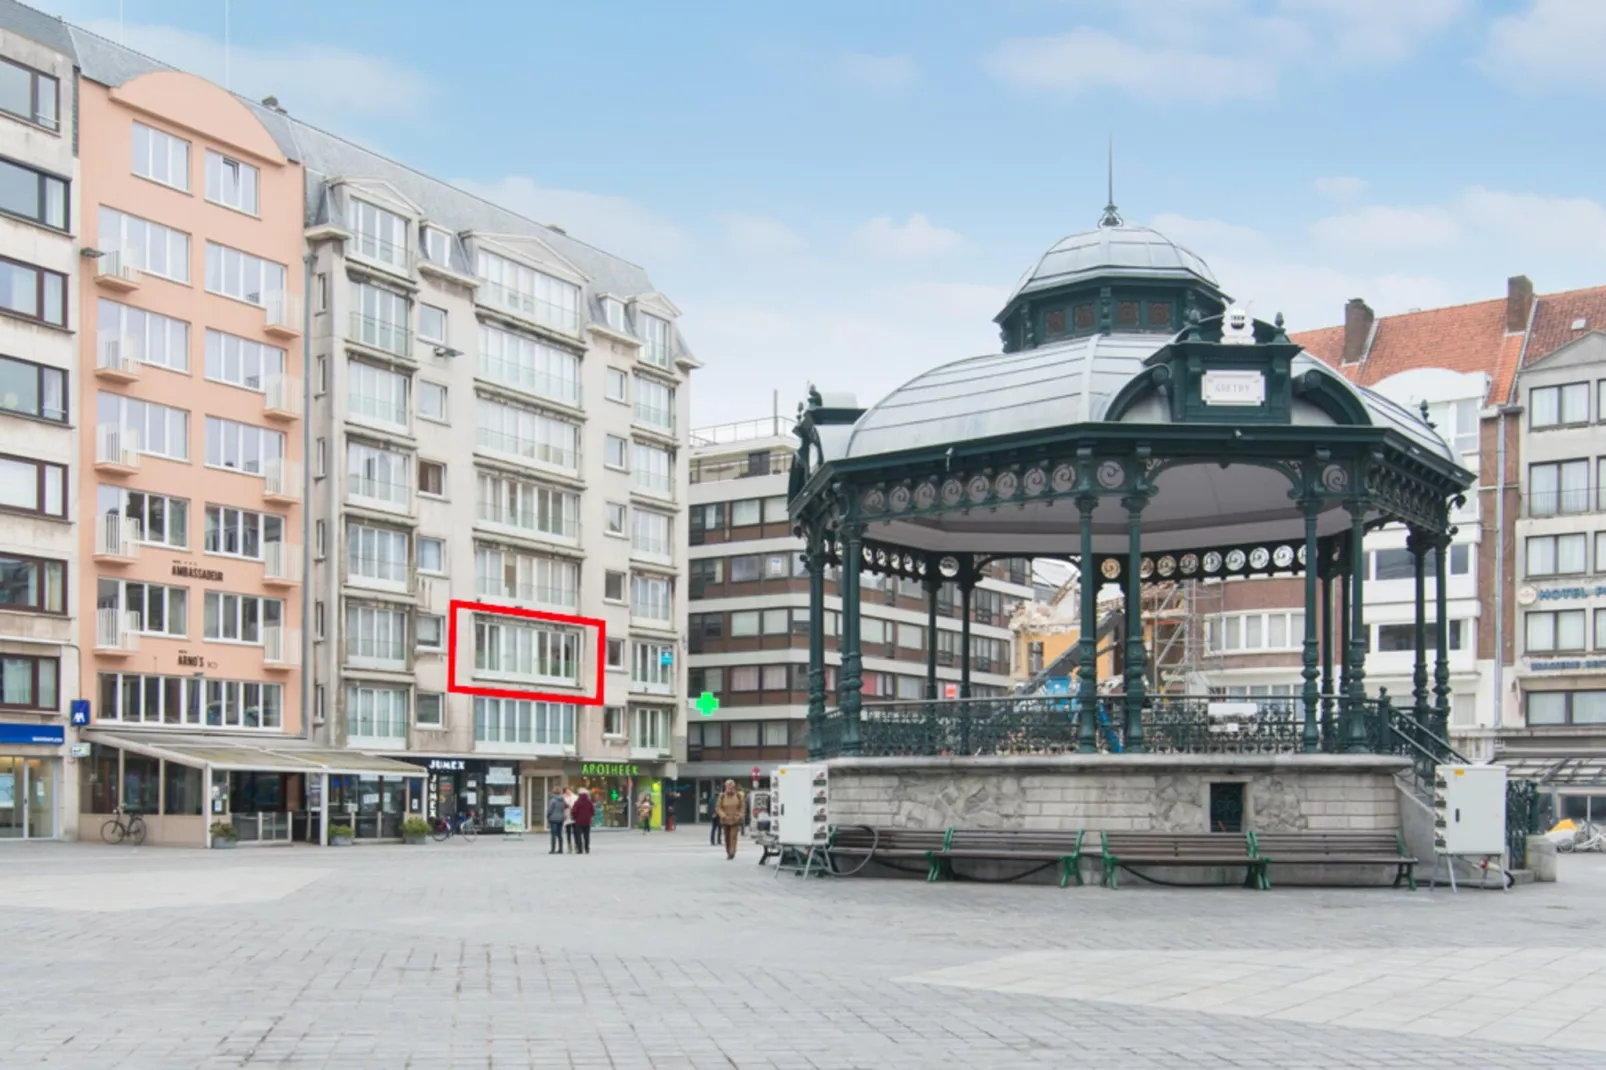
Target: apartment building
pixel 39 449
pixel 747 632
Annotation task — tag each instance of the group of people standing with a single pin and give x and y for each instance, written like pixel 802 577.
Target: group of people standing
pixel 569 815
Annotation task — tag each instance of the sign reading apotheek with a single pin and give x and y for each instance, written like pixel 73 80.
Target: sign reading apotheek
pixel 1233 388
pixel 608 769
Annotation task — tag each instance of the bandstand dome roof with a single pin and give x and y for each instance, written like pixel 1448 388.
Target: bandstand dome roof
pixel 1114 251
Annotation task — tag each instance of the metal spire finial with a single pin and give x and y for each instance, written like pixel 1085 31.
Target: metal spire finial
pixel 1112 215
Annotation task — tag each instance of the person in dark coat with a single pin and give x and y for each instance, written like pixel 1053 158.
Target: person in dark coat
pixel 556 811
pixel 581 814
pixel 714 835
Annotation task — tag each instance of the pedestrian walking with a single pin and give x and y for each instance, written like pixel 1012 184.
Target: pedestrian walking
pixel 644 813
pixel 568 815
pixel 729 811
pixel 557 815
pixel 670 802
pixel 581 814
pixel 714 835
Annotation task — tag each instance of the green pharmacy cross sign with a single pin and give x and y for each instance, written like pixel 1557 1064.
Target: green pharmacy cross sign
pixel 706 704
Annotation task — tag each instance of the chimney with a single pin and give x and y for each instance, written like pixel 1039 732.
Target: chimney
pixel 1519 302
pixel 1358 320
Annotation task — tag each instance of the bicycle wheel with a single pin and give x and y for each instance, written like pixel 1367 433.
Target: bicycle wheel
pixel 469 831
pixel 439 833
pixel 136 831
pixel 113 831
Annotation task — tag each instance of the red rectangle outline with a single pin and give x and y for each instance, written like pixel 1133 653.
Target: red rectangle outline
pixel 457 605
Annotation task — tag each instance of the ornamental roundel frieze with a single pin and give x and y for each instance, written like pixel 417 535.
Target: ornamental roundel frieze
pixel 1283 556
pixel 1064 477
pixel 925 495
pixel 1189 564
pixel 978 487
pixel 1111 568
pixel 1259 557
pixel 1005 485
pixel 1166 566
pixel 1212 561
pixel 1235 560
pixel 899 499
pixel 1111 475
pixel 949 567
pixel 1035 481
pixel 1301 555
pixel 1335 478
pixel 874 501
pixel 952 491
pixel 881 558
pixel 1146 567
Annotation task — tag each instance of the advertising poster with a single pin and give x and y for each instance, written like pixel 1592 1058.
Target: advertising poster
pixel 513 820
pixel 8 791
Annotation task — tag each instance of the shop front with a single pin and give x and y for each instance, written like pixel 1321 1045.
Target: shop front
pixel 616 788
pixel 462 787
pixel 30 779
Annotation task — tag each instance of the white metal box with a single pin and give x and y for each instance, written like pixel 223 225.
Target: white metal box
pixel 803 802
pixel 1469 803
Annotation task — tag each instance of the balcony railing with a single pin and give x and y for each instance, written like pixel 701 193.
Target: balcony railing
pixel 391 494
pixel 535 594
pixel 376 250
pixel 281 563
pixel 282 313
pixel 378 410
pixel 282 397
pixel 117 537
pixel 758 463
pixel 281 480
pixel 116 448
pixel 1568 502
pixel 118 357
pixel 281 646
pixel 743 431
pixel 520 376
pixel 526 306
pixel 116 631
pixel 376 653
pixel 655 418
pixel 118 269
pixel 381 334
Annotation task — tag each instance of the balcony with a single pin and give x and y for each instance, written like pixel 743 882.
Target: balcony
pixel 281 316
pixel 281 647
pixel 116 450
pixel 655 418
pixel 281 481
pixel 116 269
pixel 281 564
pixel 1570 501
pixel 117 539
pixel 118 358
pixel 116 632
pixel 387 337
pixel 372 249
pixel 282 397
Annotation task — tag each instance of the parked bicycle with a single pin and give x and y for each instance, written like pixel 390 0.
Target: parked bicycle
pixel 117 829
pixel 447 827
pixel 1587 837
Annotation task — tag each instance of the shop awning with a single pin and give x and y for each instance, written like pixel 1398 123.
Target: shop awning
pixel 254 755
pixel 1586 772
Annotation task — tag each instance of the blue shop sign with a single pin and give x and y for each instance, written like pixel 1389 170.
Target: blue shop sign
pixel 1567 594
pixel 33 733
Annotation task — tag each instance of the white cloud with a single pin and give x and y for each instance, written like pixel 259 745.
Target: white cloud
pixel 1340 187
pixel 1552 45
pixel 919 237
pixel 1086 59
pixel 759 235
pixel 1379 227
pixel 1558 226
pixel 878 72
pixel 619 225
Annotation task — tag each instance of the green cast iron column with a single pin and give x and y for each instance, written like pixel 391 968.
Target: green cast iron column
pixel 967 581
pixel 1418 543
pixel 933 585
pixel 1356 736
pixel 1341 648
pixel 1441 638
pixel 1310 738
pixel 1087 669
pixel 815 560
pixel 849 676
pixel 1328 735
pixel 1136 656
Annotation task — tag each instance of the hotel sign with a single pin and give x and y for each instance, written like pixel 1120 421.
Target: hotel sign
pixel 1566 664
pixel 185 570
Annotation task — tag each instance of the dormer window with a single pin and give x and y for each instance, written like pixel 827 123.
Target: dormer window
pixel 437 246
pixel 655 339
pixel 613 313
pixel 377 235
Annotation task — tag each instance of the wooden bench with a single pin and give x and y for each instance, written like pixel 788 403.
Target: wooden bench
pixel 887 844
pixel 1382 848
pixel 1012 845
pixel 1198 849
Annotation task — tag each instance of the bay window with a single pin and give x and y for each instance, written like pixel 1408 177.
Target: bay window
pixel 652 469
pixel 529 507
pixel 377 474
pixel 655 404
pixel 376 636
pixel 379 318
pixel 506 720
pixel 377 555
pixel 650 534
pixel 376 712
pixel 377 235
pixel 652 598
pixel 377 395
pixel 652 667
pixel 527 651
pixel 530 365
pixel 524 291
pixel 528 578
pixel 527 434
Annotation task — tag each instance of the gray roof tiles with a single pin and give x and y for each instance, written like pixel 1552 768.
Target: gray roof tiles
pixel 1113 251
pixel 35 25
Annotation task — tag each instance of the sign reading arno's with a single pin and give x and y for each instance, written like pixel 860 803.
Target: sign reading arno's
pixel 609 769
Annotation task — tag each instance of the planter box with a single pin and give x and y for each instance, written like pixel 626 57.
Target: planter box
pixel 339 841
pixel 413 839
pixel 220 844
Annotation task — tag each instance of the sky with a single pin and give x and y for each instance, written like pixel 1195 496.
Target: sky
pixel 844 194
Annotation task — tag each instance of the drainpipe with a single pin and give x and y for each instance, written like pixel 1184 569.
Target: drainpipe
pixel 306 498
pixel 1500 567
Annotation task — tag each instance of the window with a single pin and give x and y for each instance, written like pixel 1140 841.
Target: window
pixel 156 430
pixel 243 447
pixel 615 452
pixel 613 586
pixel 160 610
pixel 747 569
pixel 528 651
pixel 145 336
pixel 240 532
pixel 775 510
pixel 437 246
pixel 655 339
pixel 377 555
pixel 317 619
pixel 1558 489
pixel 431 631
pixel 32 292
pixel 1394 565
pixel 1457 422
pixel 29 94
pixel 241 275
pixel 30 683
pixel 650 534
pixel 377 474
pixel 161 157
pixel 652 598
pixel 432 478
pixel 135 699
pixel 534 295
pixel 1600 551
pixel 616 653
pixel 376 636
pixel 378 235
pixel 655 404
pixel 429 709
pixel 31 486
pixel 241 362
pixel 1550 632
pixel 530 578
pixel 238 618
pixel 432 323
pixel 912 637
pixel 28 389
pixel 1401 638
pixel 377 395
pixel 162 521
pixel 649 729
pixel 613 313
pixel 1566 707
pixel 744 733
pixel 527 434
pixel 506 720
pixel 1246 632
pixel 616 518
pixel 653 469
pixel 231 183
pixel 1558 406
pixel 33 195
pixel 320 538
pixel 376 712
pixel 151 247
pixel 320 376
pixel 705 571
pixel 530 365
pixel 617 385
pixel 529 507
pixel 653 667
pixel 613 721
pixel 431 400
pixel 747 513
pixel 1558 555
pixel 1600 629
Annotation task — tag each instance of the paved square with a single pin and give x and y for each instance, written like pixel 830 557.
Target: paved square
pixel 656 952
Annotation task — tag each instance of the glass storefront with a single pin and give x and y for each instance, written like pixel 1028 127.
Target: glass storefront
pixel 458 787
pixel 615 787
pixel 374 806
pixel 28 797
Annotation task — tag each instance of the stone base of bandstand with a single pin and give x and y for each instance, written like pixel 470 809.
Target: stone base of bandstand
pixel 1127 793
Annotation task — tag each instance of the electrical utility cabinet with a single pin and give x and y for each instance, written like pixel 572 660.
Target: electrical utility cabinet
pixel 803 801
pixel 1469 803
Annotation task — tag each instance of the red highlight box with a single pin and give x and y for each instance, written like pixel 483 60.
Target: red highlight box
pixel 457 606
